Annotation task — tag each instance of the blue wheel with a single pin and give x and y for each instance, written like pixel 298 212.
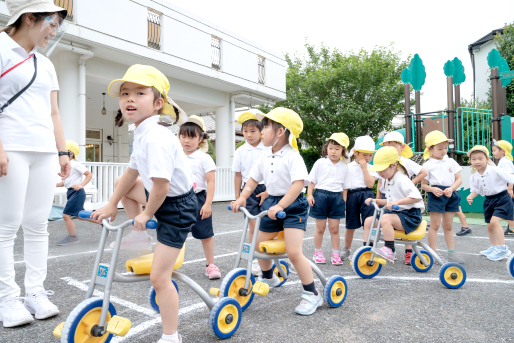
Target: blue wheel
pixel 275 271
pixel 233 282
pixel 152 297
pixel 452 275
pixel 416 262
pixel 510 265
pixel 362 264
pixel 335 291
pixel 84 315
pixel 225 317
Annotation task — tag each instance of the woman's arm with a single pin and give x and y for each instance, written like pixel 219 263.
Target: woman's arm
pixel 64 161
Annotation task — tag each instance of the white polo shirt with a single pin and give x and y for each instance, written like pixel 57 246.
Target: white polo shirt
pixel 494 180
pixel 280 170
pixel 506 165
pixel 246 156
pixel 26 124
pixel 412 169
pixel 200 164
pixel 76 175
pixel 355 178
pixel 441 172
pixel 328 176
pixel 401 186
pixel 157 153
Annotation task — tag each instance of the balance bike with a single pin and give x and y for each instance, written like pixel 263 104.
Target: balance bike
pixel 510 265
pixel 367 265
pixel 95 319
pixel 240 283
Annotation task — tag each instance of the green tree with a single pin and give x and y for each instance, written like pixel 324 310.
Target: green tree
pixel 505 46
pixel 334 91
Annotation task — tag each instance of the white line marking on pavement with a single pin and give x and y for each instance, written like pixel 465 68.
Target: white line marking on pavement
pixel 203 259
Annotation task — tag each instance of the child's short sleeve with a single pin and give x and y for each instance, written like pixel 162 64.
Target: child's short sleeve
pixel 457 168
pixel 208 164
pixel 505 176
pixel 236 164
pixel 81 168
pixel 409 189
pixel 473 186
pixel 257 171
pixel 297 169
pixel 412 167
pixel 161 156
pixel 314 172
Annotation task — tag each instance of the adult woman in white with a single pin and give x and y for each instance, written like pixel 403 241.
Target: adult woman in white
pixel 31 144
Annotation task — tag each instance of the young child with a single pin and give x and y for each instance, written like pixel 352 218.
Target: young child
pixel 400 191
pixel 396 140
pixel 502 152
pixel 358 187
pixel 327 177
pixel 76 195
pixel 491 181
pixel 441 183
pixel 285 175
pixel 193 138
pixel 165 185
pixel 244 158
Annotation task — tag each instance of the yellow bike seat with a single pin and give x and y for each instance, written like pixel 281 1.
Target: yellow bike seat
pixel 415 235
pixel 277 245
pixel 143 264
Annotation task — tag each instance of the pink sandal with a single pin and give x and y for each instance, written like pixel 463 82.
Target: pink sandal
pixel 318 257
pixel 336 259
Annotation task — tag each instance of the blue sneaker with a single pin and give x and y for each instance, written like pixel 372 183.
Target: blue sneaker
pixel 309 303
pixel 488 251
pixel 271 283
pixel 499 254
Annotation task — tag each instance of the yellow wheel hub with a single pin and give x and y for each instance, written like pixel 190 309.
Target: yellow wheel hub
pixel 228 318
pixel 275 271
pixel 362 264
pixel 234 288
pixel 333 292
pixel 420 265
pixel 83 330
pixel 448 276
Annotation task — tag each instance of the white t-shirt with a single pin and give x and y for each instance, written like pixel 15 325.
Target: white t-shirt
pixel 26 124
pixel 441 172
pixel 412 169
pixel 280 170
pixel 355 177
pixel 493 181
pixel 246 156
pixel 328 176
pixel 200 164
pixel 157 153
pixel 506 165
pixel 76 175
pixel 401 187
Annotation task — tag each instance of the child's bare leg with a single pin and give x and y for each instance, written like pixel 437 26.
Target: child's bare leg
pixel 348 238
pixel 252 228
pixel 261 237
pixel 494 229
pixel 447 229
pixel 462 218
pixel 318 233
pixel 333 227
pixel 367 227
pixel 162 268
pixel 389 223
pixel 208 249
pixel 435 223
pixel 134 199
pixel 294 242
pixel 70 225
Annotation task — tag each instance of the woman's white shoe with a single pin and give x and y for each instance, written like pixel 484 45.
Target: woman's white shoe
pixel 13 313
pixel 39 305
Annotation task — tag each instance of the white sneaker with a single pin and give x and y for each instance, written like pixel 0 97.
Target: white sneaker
pixel 256 269
pixel 131 243
pixel 164 341
pixel 13 313
pixel 39 305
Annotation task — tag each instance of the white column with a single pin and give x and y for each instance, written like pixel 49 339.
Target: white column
pixel 225 135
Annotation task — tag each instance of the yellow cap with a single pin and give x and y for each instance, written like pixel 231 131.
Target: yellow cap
pixel 340 138
pixel 395 136
pixel 73 147
pixel 204 146
pixel 248 115
pixel 384 157
pixel 289 118
pixel 433 138
pixel 504 145
pixel 485 151
pixel 149 76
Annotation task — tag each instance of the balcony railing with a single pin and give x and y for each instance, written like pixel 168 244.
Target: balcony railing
pixel 154 29
pixel 67 5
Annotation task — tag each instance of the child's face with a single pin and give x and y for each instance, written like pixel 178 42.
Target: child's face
pixel 478 160
pixel 399 146
pixel 269 135
pixel 189 144
pixel 364 155
pixel 389 172
pixel 138 103
pixel 334 152
pixel 252 134
pixel 497 152
pixel 439 150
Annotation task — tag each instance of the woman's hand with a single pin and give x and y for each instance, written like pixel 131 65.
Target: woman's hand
pixel 140 221
pixel 4 162
pixel 311 201
pixel 205 211
pixel 272 212
pixel 105 212
pixel 234 205
pixel 77 187
pixel 64 162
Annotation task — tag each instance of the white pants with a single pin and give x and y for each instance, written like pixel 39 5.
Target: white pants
pixel 26 196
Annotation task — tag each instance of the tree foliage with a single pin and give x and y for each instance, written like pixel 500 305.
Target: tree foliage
pixel 505 46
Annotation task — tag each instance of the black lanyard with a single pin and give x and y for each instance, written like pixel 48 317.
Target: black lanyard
pixel 10 101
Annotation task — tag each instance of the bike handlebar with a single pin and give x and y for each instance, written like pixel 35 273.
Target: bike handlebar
pixel 151 224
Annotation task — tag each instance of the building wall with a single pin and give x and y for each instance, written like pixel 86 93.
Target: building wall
pixel 482 71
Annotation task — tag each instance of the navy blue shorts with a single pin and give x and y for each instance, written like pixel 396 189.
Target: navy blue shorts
pixel 498 205
pixel 356 208
pixel 175 218
pixel 410 218
pixel 443 204
pixel 203 227
pixel 296 214
pixel 252 203
pixel 327 205
pixel 75 202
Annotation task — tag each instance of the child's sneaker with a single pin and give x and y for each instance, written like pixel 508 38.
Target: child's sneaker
pixel 69 240
pixel 499 254
pixel 13 313
pixel 39 305
pixel 456 257
pixel 318 257
pixel 487 251
pixel 212 272
pixel 408 256
pixel 131 243
pixel 509 232
pixel 441 256
pixel 344 253
pixel 271 283
pixel 336 259
pixel 309 303
pixel 256 269
pixel 464 231
pixel 385 252
pixel 165 341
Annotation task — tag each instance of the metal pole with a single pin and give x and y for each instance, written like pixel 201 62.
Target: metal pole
pixel 504 100
pixel 496 106
pixel 451 115
pixel 460 147
pixel 408 128
pixel 419 134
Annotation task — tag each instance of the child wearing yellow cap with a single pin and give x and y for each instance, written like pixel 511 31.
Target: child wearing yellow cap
pixel 244 159
pixel 502 151
pixel 441 184
pixel 285 175
pixel 76 195
pixel 400 191
pixel 327 177
pixel 193 138
pixel 491 181
pixel 159 178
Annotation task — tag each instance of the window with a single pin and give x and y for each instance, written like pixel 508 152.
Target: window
pixel 93 145
pixel 154 29
pixel 216 53
pixel 262 71
pixel 67 5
